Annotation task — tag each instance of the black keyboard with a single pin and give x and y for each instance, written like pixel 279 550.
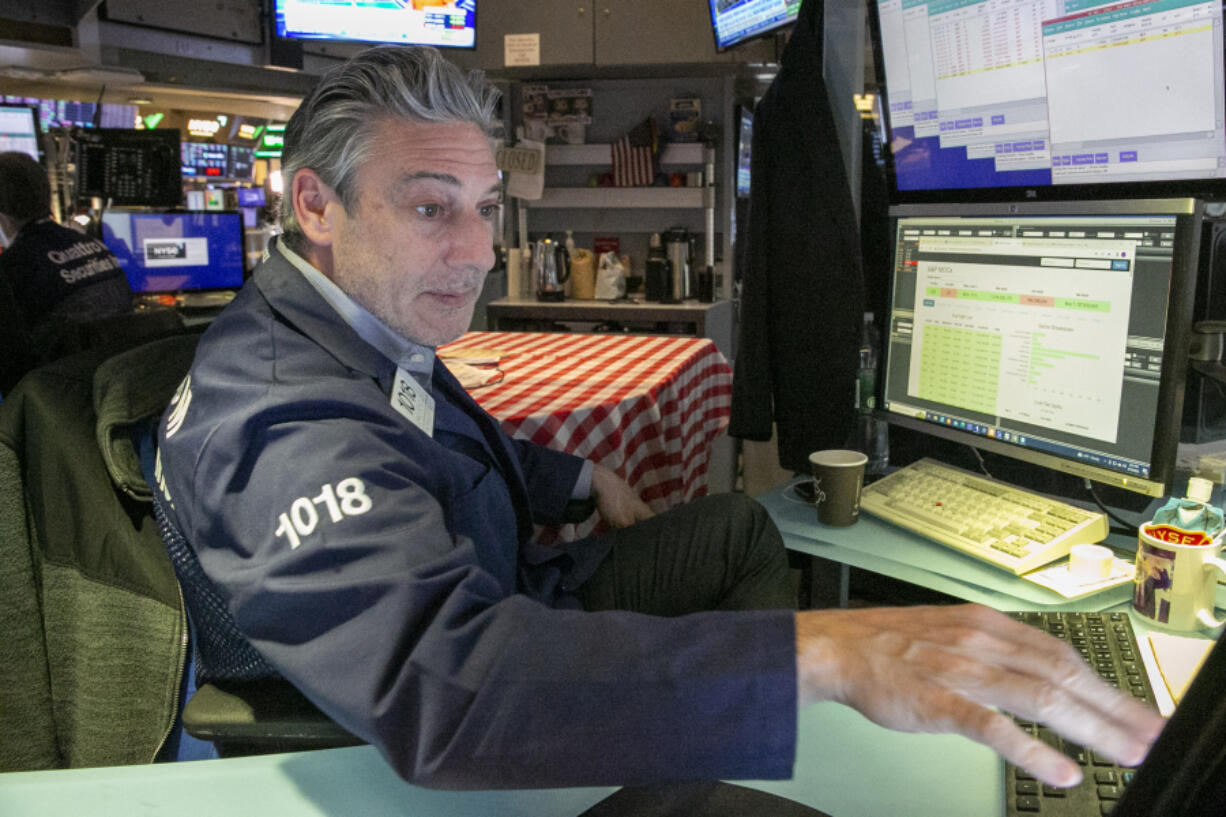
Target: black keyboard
pixel 1107 642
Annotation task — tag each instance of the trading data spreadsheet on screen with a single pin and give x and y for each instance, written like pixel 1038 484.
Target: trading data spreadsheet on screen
pixel 19 130
pixel 1051 93
pixel 1055 337
pixel 736 21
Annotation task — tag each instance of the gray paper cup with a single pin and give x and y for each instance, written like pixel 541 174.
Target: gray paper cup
pixel 837 478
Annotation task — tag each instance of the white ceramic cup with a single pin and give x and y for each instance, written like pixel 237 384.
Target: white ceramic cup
pixel 1175 582
pixel 1089 562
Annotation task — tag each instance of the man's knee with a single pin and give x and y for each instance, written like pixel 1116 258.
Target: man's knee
pixel 749 512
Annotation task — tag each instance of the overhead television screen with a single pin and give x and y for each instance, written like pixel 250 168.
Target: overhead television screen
pixel 1053 95
pixel 130 168
pixel 203 159
pixel 735 21
pixel 442 23
pixel 240 161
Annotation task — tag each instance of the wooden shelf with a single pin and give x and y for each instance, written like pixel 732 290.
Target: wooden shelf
pixel 619 197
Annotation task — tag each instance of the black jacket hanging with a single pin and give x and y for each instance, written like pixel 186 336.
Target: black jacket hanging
pixel 803 293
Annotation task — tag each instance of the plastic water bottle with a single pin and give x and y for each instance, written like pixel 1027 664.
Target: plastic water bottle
pixel 872 432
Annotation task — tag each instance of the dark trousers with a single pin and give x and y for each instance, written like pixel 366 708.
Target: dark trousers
pixel 718 552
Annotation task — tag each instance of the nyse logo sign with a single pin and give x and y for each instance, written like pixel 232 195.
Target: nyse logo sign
pixel 165 250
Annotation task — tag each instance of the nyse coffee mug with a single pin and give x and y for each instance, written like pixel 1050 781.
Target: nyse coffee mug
pixel 1176 578
pixel 838 476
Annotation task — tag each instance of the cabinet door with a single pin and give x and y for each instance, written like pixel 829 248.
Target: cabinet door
pixel 647 32
pixel 564 27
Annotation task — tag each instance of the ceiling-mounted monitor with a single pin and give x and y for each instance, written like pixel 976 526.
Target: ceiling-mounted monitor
pixel 440 23
pixel 1000 99
pixel 130 168
pixel 735 21
pixel 203 160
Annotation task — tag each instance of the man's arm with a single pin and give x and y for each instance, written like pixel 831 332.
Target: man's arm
pixel 942 669
pixel 543 467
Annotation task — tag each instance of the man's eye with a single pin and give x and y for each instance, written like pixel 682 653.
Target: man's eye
pixel 491 210
pixel 429 210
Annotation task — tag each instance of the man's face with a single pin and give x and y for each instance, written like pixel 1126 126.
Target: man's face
pixel 416 246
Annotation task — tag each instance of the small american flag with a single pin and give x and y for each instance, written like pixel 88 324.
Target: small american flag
pixel 634 156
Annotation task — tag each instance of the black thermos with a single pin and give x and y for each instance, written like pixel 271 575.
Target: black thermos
pixel 657 278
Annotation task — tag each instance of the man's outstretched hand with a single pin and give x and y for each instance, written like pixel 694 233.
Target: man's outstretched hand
pixel 943 669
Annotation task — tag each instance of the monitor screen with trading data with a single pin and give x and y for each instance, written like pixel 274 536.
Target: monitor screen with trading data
pixel 19 130
pixel 1053 333
pixel 1069 98
pixel 735 21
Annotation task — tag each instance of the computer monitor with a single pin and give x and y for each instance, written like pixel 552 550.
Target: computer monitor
pixel 241 161
pixel 1066 98
pixel 440 23
pixel 172 252
pixel 251 196
pixel 130 168
pixel 19 130
pixel 735 21
pixel 744 150
pixel 203 160
pixel 1055 333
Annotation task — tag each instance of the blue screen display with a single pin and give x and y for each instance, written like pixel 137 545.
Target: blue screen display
pixel 176 252
pixel 744 153
pixel 251 197
pixel 1059 93
pixel 441 23
pixel 736 21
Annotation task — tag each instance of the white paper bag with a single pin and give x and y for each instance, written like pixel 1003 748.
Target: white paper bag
pixel 610 278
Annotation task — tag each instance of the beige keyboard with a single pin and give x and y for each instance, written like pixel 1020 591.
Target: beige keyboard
pixel 1009 527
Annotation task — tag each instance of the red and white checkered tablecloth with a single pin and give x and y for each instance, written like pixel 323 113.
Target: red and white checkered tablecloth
pixel 646 406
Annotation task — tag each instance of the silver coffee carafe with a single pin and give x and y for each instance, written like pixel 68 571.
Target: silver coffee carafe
pixel 679 244
pixel 550 269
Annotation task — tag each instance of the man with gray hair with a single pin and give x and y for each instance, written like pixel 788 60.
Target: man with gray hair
pixel 359 526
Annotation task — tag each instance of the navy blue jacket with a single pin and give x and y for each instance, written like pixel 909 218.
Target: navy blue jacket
pixel 389 575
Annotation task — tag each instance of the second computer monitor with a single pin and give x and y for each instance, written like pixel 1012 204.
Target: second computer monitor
pixel 173 252
pixel 1053 333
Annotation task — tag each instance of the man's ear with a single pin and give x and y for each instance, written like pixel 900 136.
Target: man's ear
pixel 316 206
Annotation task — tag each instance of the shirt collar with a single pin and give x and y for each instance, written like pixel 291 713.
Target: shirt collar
pixel 407 355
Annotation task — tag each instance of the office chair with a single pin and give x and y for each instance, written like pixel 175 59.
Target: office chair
pixel 241 706
pixel 94 635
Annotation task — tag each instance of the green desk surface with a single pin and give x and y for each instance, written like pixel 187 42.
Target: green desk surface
pixel 354 782
pixel 845 766
pixel 877 546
